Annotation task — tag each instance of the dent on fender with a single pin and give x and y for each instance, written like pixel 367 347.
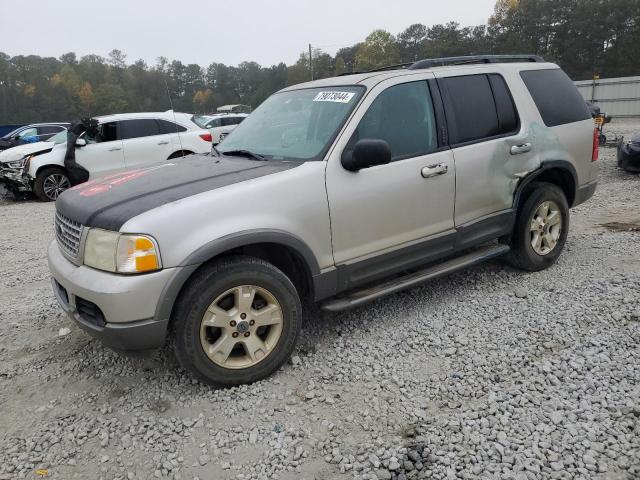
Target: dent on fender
pixel 546 146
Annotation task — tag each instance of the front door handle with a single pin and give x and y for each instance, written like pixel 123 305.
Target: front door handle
pixel 521 148
pixel 163 143
pixel 434 170
pixel 114 149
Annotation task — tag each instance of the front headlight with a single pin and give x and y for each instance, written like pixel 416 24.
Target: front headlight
pixel 121 252
pixel 21 163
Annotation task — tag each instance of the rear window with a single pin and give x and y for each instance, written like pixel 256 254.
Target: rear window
pixel 479 107
pixel 169 127
pixel 556 97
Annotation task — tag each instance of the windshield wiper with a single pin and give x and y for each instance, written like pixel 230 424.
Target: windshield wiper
pixel 245 153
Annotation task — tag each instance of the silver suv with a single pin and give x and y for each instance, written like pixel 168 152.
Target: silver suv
pixel 338 191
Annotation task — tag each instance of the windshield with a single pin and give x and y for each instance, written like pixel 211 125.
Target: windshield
pixel 294 125
pixel 60 137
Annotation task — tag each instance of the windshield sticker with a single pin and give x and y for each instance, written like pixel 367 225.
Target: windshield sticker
pixel 338 97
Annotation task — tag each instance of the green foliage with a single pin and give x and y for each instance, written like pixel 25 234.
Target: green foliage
pixel 585 37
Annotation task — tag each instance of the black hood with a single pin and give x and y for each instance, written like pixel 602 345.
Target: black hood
pixel 110 201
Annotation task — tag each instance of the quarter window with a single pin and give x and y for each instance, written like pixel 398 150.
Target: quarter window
pixel 402 116
pixel 169 127
pixel 556 97
pixel 145 127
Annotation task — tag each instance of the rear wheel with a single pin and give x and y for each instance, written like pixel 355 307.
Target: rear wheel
pixel 236 322
pixel 541 228
pixel 50 183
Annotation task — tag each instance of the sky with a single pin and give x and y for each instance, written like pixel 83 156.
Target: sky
pixel 227 31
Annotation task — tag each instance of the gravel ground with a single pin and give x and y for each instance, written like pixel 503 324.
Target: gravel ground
pixel 491 373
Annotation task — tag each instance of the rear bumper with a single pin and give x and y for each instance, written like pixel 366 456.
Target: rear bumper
pixel 118 310
pixel 585 192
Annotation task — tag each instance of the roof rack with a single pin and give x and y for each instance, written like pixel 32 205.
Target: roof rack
pixel 434 62
pixel 463 60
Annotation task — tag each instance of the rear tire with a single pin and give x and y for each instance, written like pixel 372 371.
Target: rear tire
pixel 50 182
pixel 541 229
pixel 236 322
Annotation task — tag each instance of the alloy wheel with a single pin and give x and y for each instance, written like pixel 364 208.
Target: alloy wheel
pixel 241 327
pixel 54 184
pixel 546 227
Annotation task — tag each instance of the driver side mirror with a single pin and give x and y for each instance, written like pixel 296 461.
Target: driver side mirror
pixel 81 142
pixel 366 153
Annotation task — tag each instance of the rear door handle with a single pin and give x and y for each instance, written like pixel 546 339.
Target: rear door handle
pixel 163 143
pixel 114 149
pixel 434 170
pixel 521 148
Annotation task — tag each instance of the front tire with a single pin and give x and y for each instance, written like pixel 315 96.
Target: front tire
pixel 541 228
pixel 236 322
pixel 50 183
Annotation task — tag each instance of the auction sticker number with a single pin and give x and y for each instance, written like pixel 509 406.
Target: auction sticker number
pixel 338 97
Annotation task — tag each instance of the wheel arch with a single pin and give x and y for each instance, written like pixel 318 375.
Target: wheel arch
pixel 179 154
pixel 286 251
pixel 558 172
pixel 44 166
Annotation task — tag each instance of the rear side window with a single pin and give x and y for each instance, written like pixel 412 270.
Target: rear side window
pixel 146 127
pixel 169 127
pixel 556 97
pixel 402 116
pixel 478 107
pixel 231 121
pixel 507 115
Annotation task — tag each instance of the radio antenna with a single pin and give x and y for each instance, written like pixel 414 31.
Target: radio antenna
pixel 175 122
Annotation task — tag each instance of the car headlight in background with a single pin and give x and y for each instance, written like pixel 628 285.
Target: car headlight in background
pixel 21 163
pixel 121 252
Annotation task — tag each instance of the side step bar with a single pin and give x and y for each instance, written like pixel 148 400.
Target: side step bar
pixel 360 297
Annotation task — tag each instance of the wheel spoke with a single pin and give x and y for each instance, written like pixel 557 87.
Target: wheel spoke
pixel 269 315
pixel 549 240
pixel 534 225
pixel 217 317
pixel 536 242
pixel 543 210
pixel 244 297
pixel 554 218
pixel 255 347
pixel 222 348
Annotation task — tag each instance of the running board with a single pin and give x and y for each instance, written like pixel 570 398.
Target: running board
pixel 360 297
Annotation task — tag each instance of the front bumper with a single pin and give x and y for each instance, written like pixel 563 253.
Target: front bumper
pixel 118 310
pixel 15 179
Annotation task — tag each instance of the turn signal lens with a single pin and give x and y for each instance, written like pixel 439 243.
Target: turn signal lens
pixel 137 254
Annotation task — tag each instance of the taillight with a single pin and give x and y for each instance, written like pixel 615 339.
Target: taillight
pixel 206 137
pixel 596 145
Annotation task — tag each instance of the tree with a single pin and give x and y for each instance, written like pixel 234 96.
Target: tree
pixel 410 42
pixel 379 49
pixel 87 99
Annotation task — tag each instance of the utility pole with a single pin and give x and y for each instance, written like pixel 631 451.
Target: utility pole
pixel 310 62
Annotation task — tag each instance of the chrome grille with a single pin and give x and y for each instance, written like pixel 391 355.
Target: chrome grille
pixel 68 234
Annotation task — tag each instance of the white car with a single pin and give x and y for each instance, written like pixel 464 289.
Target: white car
pixel 123 141
pixel 220 125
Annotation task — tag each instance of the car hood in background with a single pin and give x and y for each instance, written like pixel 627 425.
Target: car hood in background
pixel 21 151
pixel 111 201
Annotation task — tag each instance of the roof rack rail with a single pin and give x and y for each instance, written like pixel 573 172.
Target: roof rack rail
pixel 397 66
pixel 435 62
pixel 463 60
